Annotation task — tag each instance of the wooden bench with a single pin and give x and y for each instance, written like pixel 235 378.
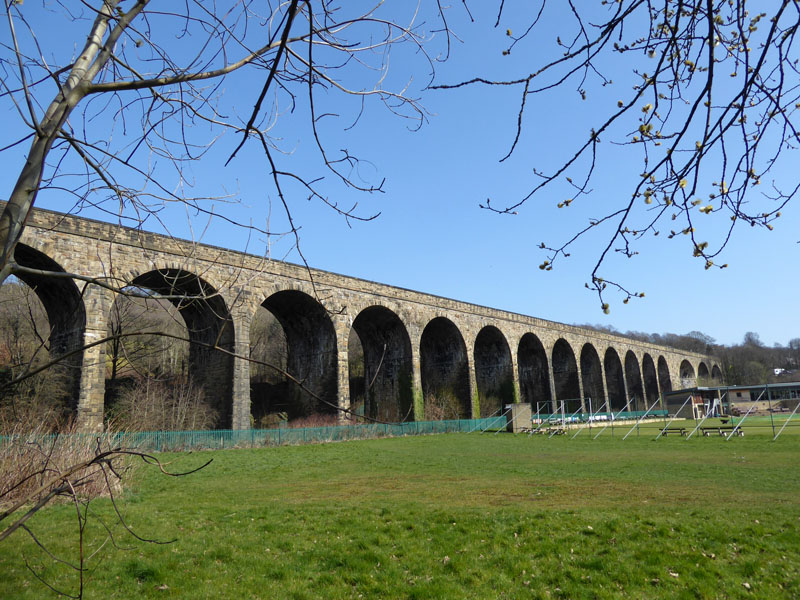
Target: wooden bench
pixel 668 430
pixel 721 430
pixel 554 430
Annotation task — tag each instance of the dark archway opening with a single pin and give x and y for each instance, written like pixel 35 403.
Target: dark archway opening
pixel 650 381
pixel 300 338
pixel 381 377
pixel 633 377
pixel 534 374
pixel 44 320
pixel 688 379
pixel 210 330
pixel 703 376
pixel 592 379
pixel 445 372
pixel 494 372
pixel 664 379
pixel 716 375
pixel 615 381
pixel 565 376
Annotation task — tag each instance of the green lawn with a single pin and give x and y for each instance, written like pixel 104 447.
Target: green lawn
pixel 453 516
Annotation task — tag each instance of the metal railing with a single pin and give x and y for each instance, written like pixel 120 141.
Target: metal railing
pixel 216 439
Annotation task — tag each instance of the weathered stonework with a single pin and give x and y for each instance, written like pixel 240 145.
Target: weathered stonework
pixel 236 284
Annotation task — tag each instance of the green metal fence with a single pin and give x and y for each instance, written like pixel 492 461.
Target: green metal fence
pixel 601 416
pixel 162 441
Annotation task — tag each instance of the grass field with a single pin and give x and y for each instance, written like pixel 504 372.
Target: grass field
pixel 452 516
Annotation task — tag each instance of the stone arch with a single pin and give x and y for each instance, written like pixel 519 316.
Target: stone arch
pixel 633 378
pixel 494 372
pixel 716 375
pixel 615 380
pixel 311 355
pixel 703 374
pixel 664 380
pixel 66 315
pixel 592 379
pixel 650 381
pixel 387 380
pixel 445 371
pixel 687 375
pixel 534 374
pixel 209 325
pixel 565 373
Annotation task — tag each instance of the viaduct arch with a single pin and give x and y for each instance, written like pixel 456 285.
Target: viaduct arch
pixel 424 356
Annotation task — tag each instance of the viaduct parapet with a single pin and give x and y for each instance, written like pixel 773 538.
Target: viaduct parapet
pixel 423 355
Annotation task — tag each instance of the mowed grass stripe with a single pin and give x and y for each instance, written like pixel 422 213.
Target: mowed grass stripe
pixel 453 516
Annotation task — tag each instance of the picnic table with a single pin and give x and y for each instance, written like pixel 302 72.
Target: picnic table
pixel 668 430
pixel 552 430
pixel 721 430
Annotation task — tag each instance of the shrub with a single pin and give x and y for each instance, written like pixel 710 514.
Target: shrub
pixel 315 420
pixel 442 407
pixel 35 462
pixel 37 402
pixel 173 405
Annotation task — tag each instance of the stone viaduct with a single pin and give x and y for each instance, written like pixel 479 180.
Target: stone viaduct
pixel 420 351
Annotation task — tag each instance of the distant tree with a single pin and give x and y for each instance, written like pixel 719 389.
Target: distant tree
pixel 704 343
pixel 23 325
pixel 794 352
pixel 639 335
pixel 755 372
pixel 146 354
pixel 751 362
pixel 600 327
pixel 267 347
pixel 694 341
pixel 24 346
pixel 751 338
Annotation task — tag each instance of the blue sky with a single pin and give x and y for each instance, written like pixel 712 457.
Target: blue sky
pixel 431 235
